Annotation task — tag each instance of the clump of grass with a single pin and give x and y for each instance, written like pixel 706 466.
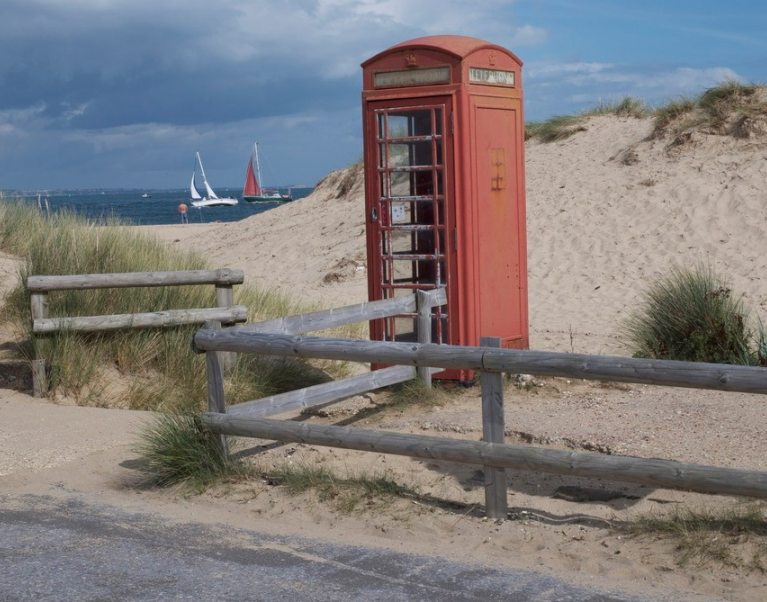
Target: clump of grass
pixel 704 536
pixel 730 108
pixel 626 107
pixel 176 450
pixel 415 392
pixel 345 493
pixel 556 128
pixel 671 112
pixel 561 127
pixel 691 315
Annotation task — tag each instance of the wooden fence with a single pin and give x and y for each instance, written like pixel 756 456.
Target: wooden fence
pixel 39 287
pixel 419 305
pixel 250 419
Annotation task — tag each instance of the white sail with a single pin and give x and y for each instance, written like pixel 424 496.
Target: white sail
pixel 211 199
pixel 210 193
pixel 195 195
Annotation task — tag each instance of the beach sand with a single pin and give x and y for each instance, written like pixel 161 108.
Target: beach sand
pixel 608 212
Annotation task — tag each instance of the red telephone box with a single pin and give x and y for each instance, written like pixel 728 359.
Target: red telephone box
pixel 444 188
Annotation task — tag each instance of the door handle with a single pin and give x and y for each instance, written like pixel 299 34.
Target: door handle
pixel 374 214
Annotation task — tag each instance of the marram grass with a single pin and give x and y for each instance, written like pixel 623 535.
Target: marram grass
pixel 692 315
pixel 176 450
pixel 159 369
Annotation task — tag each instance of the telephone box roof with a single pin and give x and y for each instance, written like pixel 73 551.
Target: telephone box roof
pixel 458 46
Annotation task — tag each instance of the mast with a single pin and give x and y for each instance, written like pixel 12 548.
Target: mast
pixel 258 166
pixel 210 193
pixel 202 170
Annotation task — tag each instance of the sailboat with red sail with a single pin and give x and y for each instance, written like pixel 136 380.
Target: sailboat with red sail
pixel 252 192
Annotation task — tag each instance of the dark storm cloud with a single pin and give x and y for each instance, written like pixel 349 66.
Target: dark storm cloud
pixel 98 68
pixel 99 91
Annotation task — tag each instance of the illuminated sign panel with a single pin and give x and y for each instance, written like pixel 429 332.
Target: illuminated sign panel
pixel 492 77
pixel 412 77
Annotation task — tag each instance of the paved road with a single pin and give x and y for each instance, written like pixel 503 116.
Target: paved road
pixel 73 551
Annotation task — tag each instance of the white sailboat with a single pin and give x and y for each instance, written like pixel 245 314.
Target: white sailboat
pixel 211 199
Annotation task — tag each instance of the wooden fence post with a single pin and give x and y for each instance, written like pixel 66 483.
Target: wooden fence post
pixel 39 307
pixel 493 429
pixel 215 374
pixel 423 330
pixel 225 298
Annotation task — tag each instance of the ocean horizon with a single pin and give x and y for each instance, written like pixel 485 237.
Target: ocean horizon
pixel 159 207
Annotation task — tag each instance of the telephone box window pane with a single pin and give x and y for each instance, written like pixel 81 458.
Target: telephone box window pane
pixel 440 332
pixel 404 329
pixel 402 242
pixel 422 152
pixel 404 271
pixel 399 126
pixel 399 155
pixel 407 154
pixel 403 124
pixel 424 242
pixel 424 183
pixel 381 125
pixel 401 184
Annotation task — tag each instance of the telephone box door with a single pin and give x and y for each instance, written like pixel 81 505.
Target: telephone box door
pixel 410 208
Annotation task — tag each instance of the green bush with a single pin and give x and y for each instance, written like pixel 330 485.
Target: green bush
pixel 692 315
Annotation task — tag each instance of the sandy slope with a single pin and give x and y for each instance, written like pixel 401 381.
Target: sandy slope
pixel 599 230
pixel 313 248
pixel 608 212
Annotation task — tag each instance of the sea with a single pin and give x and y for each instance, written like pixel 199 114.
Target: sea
pixel 159 207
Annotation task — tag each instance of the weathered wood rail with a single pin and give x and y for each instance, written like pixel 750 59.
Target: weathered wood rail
pixel 492 453
pixel 40 286
pixel 419 304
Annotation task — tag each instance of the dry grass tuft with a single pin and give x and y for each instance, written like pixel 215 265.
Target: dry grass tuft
pixel 729 109
pixel 735 536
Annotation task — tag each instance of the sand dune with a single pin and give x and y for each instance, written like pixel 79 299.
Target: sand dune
pixel 608 212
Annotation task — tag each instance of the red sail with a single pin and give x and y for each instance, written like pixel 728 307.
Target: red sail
pixel 251 187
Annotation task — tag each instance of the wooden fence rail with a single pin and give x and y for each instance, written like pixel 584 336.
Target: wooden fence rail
pixel 341 316
pixel 156 319
pixel 643 471
pixel 492 453
pixel 221 277
pixel 39 287
pixel 421 304
pixel 724 377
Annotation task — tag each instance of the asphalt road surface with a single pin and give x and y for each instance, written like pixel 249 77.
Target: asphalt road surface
pixel 54 550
